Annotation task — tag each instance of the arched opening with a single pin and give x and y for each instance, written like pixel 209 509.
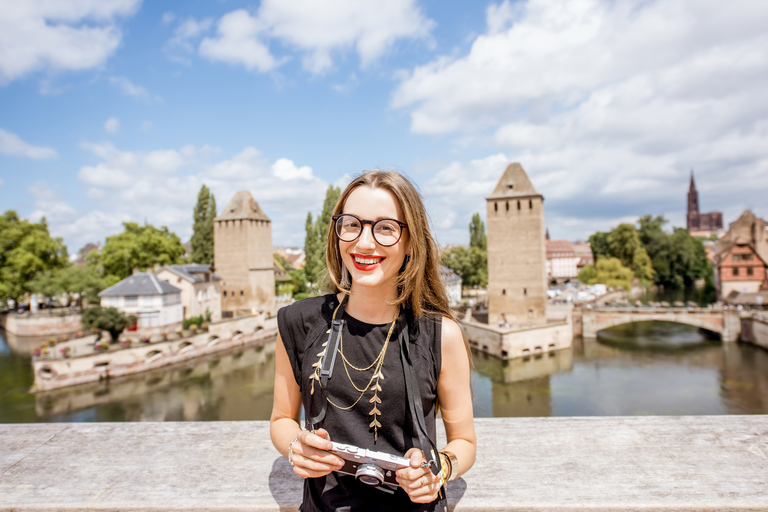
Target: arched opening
pixel 101 366
pixel 237 335
pixel 153 356
pixel 258 328
pixel 46 372
pixel 212 340
pixel 186 347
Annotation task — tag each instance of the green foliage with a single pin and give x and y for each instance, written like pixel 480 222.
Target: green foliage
pixel 107 319
pixel 674 260
pixel 26 250
pixel 315 238
pixel 477 237
pixel 139 247
pixel 624 244
pixel 608 271
pixel 471 265
pixel 599 244
pixel 202 229
pixel 75 279
pixel 197 320
pixel 678 259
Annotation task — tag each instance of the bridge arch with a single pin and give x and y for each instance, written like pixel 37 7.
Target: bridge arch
pixel 598 319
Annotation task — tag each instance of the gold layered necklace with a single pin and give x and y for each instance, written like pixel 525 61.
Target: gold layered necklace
pixel 373 382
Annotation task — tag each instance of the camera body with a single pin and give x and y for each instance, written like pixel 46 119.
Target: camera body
pixel 370 467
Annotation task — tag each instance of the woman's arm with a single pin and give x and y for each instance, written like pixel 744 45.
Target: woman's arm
pixel 310 457
pixel 455 397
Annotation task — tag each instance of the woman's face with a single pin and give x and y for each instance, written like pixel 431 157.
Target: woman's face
pixel 369 263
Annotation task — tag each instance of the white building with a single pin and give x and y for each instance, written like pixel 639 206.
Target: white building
pixel 154 302
pixel 562 261
pixel 200 288
pixel 452 283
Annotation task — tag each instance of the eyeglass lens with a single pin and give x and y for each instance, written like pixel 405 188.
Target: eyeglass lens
pixel 386 232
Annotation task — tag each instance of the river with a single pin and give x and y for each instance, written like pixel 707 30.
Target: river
pixel 646 368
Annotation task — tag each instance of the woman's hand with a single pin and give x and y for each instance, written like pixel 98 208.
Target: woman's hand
pixel 419 482
pixel 311 458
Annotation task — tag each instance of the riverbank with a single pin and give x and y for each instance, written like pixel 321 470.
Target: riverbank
pixel 648 463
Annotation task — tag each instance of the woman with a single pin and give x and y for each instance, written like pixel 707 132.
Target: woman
pixel 383 262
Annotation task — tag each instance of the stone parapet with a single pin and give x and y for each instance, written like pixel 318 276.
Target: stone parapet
pixel 690 463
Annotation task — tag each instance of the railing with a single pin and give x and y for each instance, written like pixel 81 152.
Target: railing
pixel 651 463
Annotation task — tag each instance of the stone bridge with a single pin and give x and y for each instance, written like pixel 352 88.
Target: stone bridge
pixel 724 322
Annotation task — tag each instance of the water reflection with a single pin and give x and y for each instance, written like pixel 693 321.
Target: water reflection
pixel 645 368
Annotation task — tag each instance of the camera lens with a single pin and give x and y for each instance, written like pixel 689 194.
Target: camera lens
pixel 370 474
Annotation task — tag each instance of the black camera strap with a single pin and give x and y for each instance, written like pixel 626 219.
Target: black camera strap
pixel 326 370
pixel 414 397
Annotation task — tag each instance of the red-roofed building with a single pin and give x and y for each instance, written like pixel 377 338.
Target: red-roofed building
pixel 562 261
pixel 741 269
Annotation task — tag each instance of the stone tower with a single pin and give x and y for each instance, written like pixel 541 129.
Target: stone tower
pixel 242 255
pixel 517 272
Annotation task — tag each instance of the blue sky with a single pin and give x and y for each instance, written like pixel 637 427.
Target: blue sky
pixel 118 110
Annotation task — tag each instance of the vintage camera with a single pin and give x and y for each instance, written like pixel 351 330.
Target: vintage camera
pixel 370 467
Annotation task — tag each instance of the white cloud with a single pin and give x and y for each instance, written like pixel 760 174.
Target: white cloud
pixel 181 44
pixel 11 144
pixel 168 17
pixel 318 30
pixel 57 36
pixel 129 88
pixel 162 185
pixel 48 204
pixel 112 125
pixel 610 104
pixel 146 126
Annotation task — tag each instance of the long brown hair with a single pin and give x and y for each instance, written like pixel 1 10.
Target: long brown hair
pixel 419 285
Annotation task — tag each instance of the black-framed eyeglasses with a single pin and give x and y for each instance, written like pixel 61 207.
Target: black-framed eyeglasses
pixel 386 232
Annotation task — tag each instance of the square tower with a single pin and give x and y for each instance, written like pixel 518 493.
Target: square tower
pixel 517 269
pixel 242 255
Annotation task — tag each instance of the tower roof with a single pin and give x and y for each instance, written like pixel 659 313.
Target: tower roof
pixel 242 206
pixel 693 183
pixel 513 183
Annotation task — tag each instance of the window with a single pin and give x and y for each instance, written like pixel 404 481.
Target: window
pixel 241 293
pixel 735 271
pixel 224 293
pixel 750 270
pixel 530 204
pixel 507 205
pixel 518 205
pixel 525 291
pixel 131 301
pixel 495 207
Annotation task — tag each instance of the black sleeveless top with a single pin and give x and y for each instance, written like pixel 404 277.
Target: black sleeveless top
pixel 303 329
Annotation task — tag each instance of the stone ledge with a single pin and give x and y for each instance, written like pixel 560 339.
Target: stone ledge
pixel 688 463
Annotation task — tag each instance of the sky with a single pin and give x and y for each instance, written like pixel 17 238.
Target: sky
pixel 120 110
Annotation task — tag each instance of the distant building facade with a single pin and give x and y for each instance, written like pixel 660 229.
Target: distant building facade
pixel 242 254
pixel 584 251
pixel 740 269
pixel 701 224
pixel 562 261
pixel 517 274
pixel 200 289
pixel 741 257
pixel 452 283
pixel 154 302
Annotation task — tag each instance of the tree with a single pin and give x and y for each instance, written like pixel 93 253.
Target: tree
pixel 81 280
pixel 608 271
pixel 139 247
pixel 202 229
pixel 314 241
pixel 477 237
pixel 624 244
pixel 26 250
pixel 470 264
pixel 599 244
pixel 107 319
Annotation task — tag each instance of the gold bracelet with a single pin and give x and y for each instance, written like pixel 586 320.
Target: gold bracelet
pixel 453 464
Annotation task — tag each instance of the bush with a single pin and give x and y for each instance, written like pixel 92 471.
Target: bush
pixel 193 320
pixel 300 296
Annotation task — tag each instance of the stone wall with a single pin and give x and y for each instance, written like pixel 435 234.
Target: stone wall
pixel 756 331
pixel 41 324
pixel 514 343
pixel 650 463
